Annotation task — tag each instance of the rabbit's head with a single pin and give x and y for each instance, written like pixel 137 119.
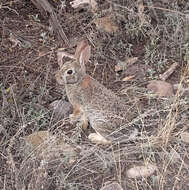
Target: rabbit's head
pixel 72 72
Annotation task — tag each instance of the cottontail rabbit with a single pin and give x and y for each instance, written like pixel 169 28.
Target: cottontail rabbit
pixel 92 102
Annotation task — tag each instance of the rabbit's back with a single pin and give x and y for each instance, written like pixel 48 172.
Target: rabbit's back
pixel 97 96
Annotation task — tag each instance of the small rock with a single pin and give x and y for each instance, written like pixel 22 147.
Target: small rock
pixel 185 137
pixel 141 171
pixel 77 3
pixel 161 88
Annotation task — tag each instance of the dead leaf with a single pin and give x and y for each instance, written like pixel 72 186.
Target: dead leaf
pixel 185 137
pixel 141 171
pixel 160 88
pixel 14 40
pixel 43 52
pixel 77 3
pixel 128 78
pixel 17 40
pixel 106 24
pixel 37 138
pixel 112 186
pixel 121 65
pixel 45 145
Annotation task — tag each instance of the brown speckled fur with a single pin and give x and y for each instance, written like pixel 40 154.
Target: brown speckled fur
pixel 105 111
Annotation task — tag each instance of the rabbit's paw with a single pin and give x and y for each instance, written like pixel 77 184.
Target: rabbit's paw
pixel 98 139
pixel 73 118
pixel 82 124
pixel 80 120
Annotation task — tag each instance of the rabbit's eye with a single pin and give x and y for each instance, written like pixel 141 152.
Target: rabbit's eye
pixel 69 72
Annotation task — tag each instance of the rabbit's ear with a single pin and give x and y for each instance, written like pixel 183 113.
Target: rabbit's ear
pixel 82 53
pixel 61 54
pixel 80 46
pixel 85 55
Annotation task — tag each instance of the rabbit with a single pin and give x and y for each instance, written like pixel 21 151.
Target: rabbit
pixel 92 102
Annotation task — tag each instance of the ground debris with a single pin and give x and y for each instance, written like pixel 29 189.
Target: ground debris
pixel 78 3
pixel 161 88
pixel 185 137
pixel 112 186
pixel 141 171
pixel 106 24
pixel 19 41
pixel 46 146
pixel 122 65
pixel 167 74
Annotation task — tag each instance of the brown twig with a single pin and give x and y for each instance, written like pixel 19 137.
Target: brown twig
pixel 168 10
pixel 45 7
pixel 167 73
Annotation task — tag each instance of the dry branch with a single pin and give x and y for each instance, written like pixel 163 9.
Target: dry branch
pixel 46 9
pixel 167 73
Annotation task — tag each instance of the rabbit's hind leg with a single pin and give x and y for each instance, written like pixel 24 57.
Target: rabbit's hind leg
pixel 97 138
pixel 100 125
pixel 84 121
